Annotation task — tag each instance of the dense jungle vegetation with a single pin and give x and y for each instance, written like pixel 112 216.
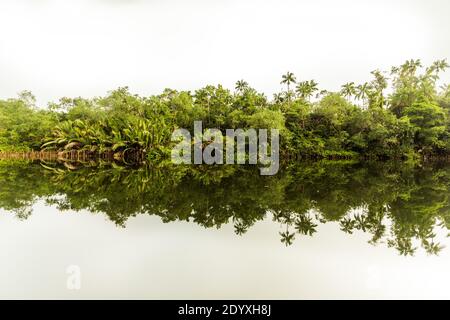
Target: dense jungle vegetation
pixel 403 113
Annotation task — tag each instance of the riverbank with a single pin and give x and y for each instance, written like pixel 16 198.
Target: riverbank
pixel 74 155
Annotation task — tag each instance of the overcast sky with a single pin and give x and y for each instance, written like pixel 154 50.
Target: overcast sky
pixel 86 48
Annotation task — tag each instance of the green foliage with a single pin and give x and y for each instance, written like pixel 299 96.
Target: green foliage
pixel 358 121
pixel 394 204
pixel 429 123
pixel 22 125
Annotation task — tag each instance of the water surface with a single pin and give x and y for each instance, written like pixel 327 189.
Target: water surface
pixel 315 230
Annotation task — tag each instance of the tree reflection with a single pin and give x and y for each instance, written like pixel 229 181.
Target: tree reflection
pixel 396 204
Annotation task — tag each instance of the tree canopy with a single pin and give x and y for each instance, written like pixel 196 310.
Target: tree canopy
pixel 400 114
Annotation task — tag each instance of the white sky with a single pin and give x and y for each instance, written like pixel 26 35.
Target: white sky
pixel 86 48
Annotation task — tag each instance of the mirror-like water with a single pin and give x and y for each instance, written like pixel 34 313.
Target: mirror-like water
pixel 314 230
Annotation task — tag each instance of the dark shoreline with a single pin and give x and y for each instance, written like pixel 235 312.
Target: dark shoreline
pixel 132 157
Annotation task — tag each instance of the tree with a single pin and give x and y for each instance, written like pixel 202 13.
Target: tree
pixel 348 90
pixel 267 119
pixel 379 84
pixel 278 98
pixel 306 89
pixel 412 87
pixel 288 79
pixel 23 126
pixel 406 86
pixel 429 121
pixel 362 91
pixel 217 101
pixel 241 86
pixel 414 118
pixel 439 66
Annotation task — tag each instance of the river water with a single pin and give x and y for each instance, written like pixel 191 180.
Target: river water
pixel 315 230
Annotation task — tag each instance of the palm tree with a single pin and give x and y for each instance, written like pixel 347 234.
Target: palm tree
pixel 287 79
pixel 240 228
pixel 361 222
pixel 305 225
pixel 440 65
pixel 347 225
pixel 436 68
pixel 321 93
pixel 410 67
pixel 432 248
pixel 287 238
pixel 302 89
pixel 379 84
pixel 306 89
pixel 313 86
pixel 348 89
pixel 445 91
pixel 362 91
pixel 288 96
pixel 241 86
pixel 278 98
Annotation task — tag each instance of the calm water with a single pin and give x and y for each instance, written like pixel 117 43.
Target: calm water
pixel 318 230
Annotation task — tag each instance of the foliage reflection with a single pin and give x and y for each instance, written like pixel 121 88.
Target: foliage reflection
pixel 399 205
